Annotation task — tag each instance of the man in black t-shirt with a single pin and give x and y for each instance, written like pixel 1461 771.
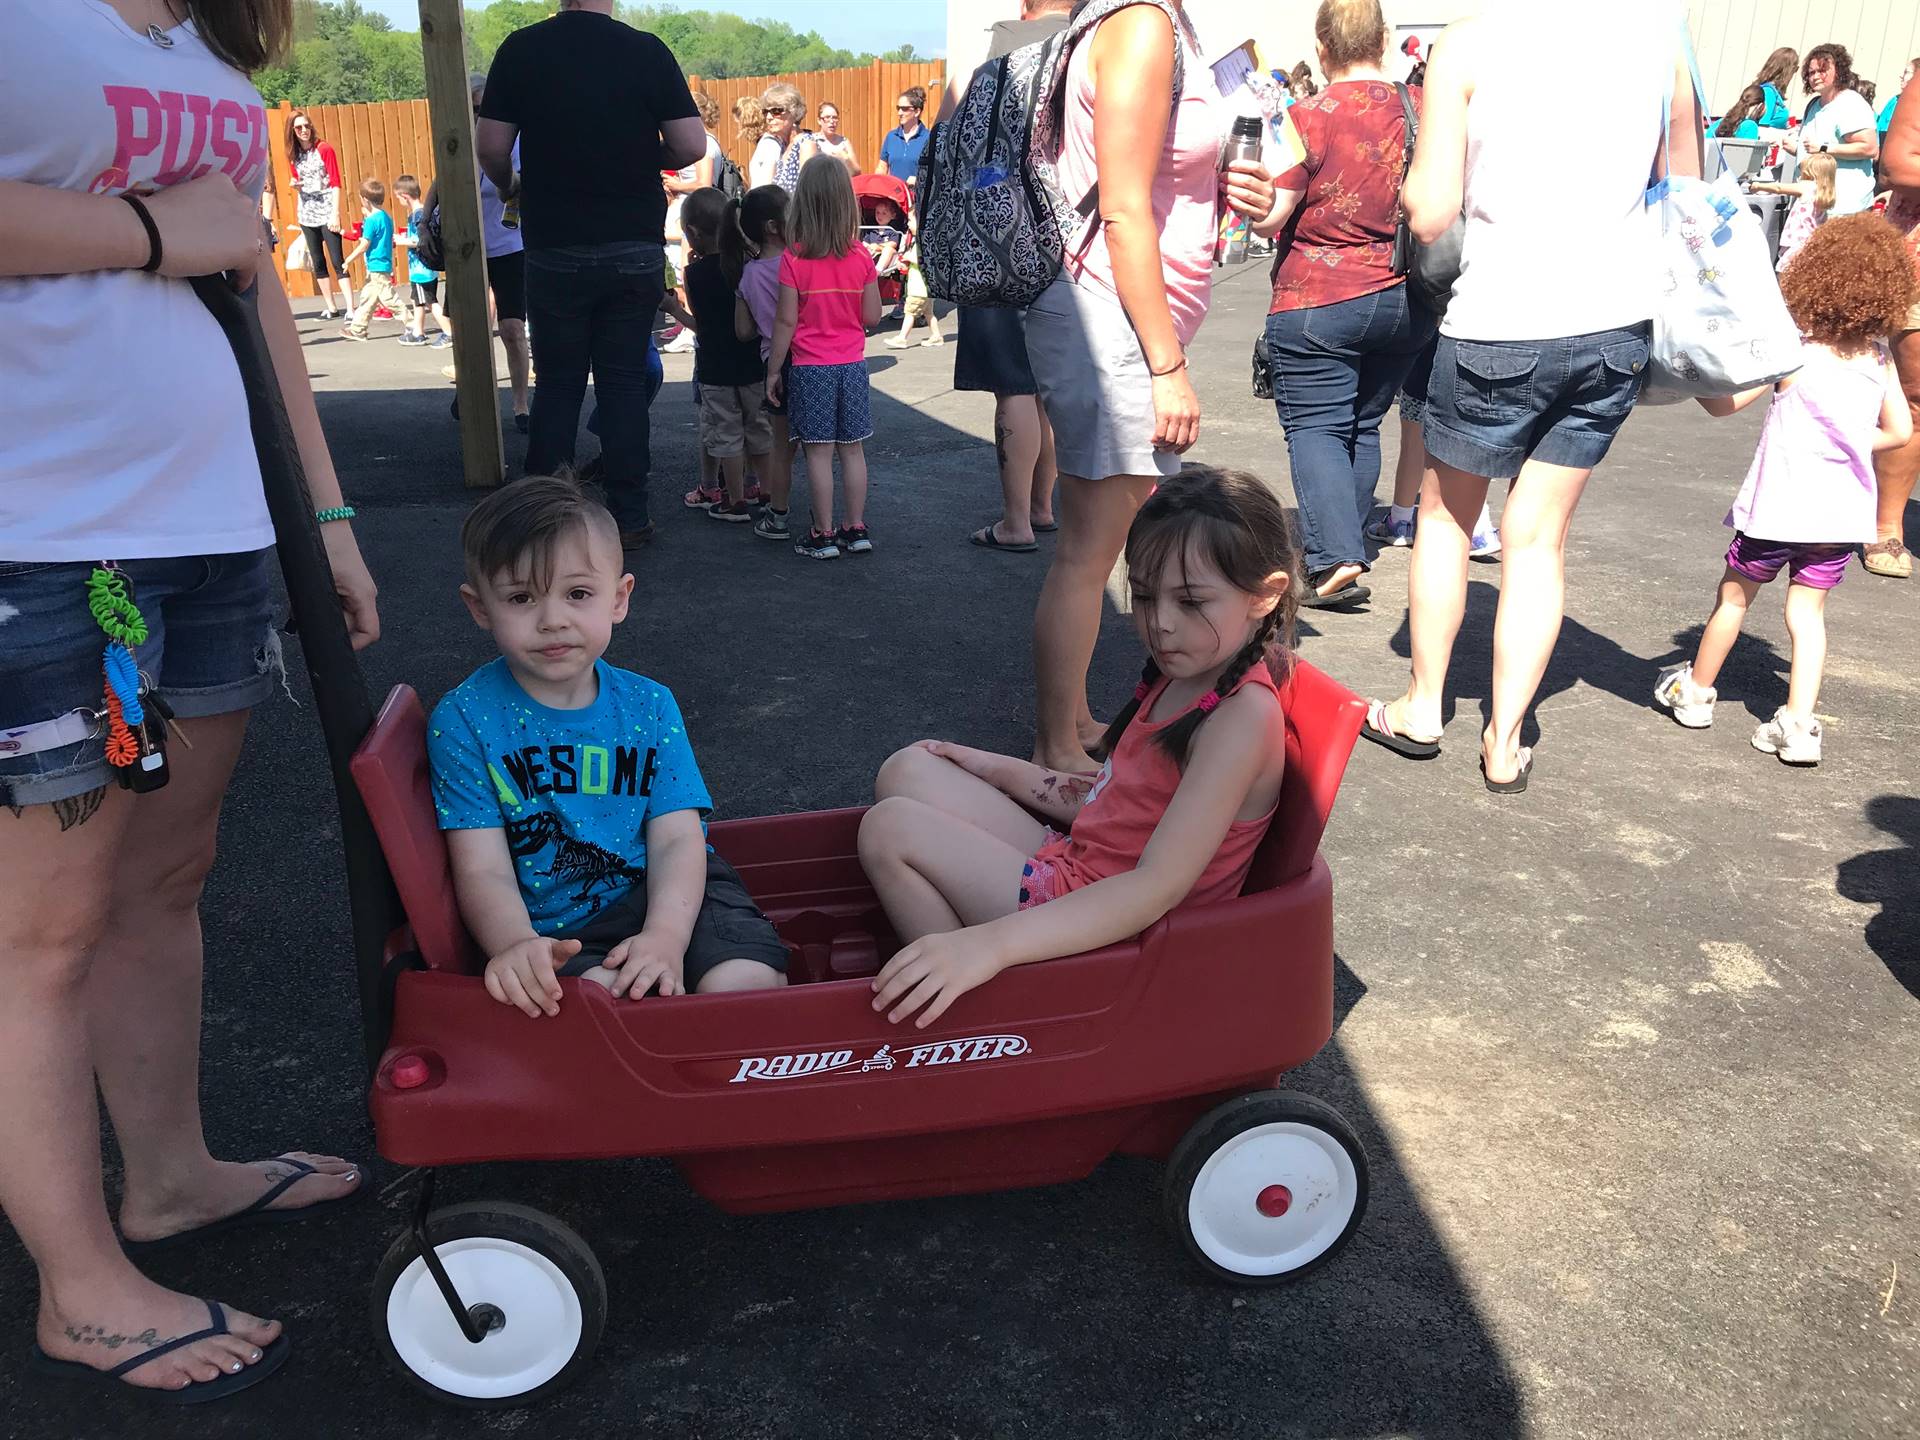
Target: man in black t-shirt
pixel 599 110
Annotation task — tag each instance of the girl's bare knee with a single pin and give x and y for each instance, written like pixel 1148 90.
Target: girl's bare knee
pixel 739 974
pixel 899 771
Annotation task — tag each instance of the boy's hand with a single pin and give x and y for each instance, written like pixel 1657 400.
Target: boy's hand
pixel 775 388
pixel 524 975
pixel 642 959
pixel 933 971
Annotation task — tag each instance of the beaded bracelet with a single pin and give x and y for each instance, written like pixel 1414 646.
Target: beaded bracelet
pixel 334 512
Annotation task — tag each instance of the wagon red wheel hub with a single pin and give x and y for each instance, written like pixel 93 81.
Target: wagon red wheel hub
pixel 1274 1201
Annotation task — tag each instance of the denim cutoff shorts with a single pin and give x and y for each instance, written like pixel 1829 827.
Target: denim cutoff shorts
pixel 211 649
pixel 1492 405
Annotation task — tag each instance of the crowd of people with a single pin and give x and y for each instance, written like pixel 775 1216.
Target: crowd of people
pixel 142 533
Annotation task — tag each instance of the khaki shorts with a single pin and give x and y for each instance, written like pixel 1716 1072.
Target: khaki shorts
pixel 732 420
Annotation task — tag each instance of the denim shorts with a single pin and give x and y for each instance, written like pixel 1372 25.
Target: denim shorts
pixel 211 650
pixel 1492 405
pixel 829 404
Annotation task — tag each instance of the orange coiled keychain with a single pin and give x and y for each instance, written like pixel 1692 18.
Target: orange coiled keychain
pixel 123 747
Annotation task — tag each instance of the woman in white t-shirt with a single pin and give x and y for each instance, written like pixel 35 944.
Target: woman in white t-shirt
pixel 1844 127
pixel 130 470
pixel 830 141
pixel 1544 347
pixel 689 178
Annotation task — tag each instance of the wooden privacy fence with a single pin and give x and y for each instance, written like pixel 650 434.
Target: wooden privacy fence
pixel 385 141
pixel 394 137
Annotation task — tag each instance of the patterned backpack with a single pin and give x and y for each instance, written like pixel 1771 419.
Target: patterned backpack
pixel 995 225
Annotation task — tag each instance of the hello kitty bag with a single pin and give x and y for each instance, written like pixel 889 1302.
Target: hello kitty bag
pixel 1720 325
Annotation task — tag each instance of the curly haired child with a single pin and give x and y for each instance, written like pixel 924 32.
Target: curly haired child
pixel 1808 500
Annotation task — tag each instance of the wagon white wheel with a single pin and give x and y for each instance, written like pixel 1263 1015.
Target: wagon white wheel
pixel 529 1280
pixel 1267 1187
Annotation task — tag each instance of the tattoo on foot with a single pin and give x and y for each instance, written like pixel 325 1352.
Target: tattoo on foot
pixel 95 1335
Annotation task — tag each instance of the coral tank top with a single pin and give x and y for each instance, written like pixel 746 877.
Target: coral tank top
pixel 1134 789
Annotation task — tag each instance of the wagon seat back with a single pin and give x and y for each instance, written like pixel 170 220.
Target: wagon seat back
pixel 390 771
pixel 1323 722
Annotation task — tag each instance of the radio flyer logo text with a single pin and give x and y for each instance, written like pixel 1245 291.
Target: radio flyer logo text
pixel 967 1051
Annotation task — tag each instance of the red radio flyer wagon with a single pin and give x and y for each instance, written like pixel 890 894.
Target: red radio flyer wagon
pixel 1167 1046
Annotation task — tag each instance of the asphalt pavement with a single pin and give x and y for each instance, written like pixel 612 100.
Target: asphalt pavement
pixel 1634 1054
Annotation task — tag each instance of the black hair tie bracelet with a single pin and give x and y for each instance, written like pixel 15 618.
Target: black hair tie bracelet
pixel 154 251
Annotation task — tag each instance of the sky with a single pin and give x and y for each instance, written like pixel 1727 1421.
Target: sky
pixel 871 25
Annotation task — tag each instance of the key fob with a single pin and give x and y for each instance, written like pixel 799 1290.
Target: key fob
pixel 149 770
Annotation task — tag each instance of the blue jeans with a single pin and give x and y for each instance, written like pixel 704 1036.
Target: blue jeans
pixel 591 308
pixel 1335 370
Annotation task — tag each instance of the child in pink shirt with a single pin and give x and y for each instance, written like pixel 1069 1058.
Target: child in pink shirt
pixel 760 231
pixel 829 296
pixel 1808 500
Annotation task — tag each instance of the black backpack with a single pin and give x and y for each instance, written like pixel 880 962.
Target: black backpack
pixel 728 179
pixel 429 245
pixel 995 225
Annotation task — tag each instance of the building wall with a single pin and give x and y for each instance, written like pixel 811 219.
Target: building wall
pixel 1732 37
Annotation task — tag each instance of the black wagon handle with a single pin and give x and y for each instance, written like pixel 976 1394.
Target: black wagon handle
pixel 339 685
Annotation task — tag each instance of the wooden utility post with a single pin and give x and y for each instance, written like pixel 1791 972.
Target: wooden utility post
pixel 443 45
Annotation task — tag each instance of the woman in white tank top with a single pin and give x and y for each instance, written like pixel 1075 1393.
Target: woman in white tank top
pixel 1543 349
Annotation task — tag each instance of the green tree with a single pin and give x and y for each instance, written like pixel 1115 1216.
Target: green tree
pixel 344 53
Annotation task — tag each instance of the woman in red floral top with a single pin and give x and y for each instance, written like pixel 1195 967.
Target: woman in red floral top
pixel 1896 469
pixel 1343 330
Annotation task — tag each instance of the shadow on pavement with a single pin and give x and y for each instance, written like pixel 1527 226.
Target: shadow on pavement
pixel 1068 1311
pixel 1887 878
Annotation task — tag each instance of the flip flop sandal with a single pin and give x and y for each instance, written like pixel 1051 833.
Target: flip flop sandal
pixel 1340 599
pixel 986 539
pixel 1046 529
pixel 1377 728
pixel 257 1213
pixel 272 1357
pixel 1518 783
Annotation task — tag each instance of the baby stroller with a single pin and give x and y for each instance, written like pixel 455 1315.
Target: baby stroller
pixel 869 191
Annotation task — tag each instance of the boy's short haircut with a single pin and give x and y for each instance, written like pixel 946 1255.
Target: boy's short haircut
pixel 524 520
pixel 373 192
pixel 408 186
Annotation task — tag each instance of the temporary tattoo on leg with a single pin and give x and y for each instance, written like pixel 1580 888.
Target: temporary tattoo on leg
pixel 1002 432
pixel 78 809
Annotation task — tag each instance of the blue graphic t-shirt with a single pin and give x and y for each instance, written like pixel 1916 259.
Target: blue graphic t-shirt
pixel 416 272
pixel 573 789
pixel 378 233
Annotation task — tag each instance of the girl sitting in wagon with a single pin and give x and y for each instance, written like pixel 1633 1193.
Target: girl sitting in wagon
pixel 973 883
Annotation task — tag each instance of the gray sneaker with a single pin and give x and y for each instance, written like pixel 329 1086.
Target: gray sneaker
pixel 1691 704
pixel 1795 741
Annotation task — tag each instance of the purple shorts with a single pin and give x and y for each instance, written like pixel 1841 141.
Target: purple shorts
pixel 1819 567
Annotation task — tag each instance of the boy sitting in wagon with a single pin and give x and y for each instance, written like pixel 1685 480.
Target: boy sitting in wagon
pixel 573 808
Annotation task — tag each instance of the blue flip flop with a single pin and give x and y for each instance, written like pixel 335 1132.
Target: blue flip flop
pixel 255 1214
pixel 199 1393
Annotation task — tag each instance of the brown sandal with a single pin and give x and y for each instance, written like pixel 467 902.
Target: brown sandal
pixel 1888 558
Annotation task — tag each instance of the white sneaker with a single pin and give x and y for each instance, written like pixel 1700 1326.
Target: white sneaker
pixel 681 344
pixel 1485 545
pixel 1691 704
pixel 1795 741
